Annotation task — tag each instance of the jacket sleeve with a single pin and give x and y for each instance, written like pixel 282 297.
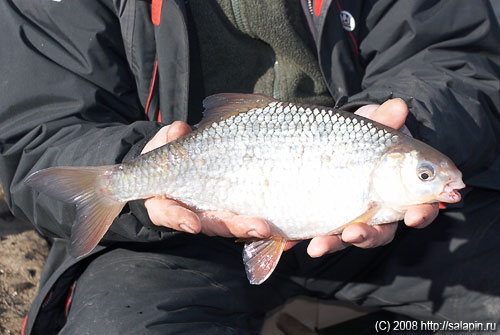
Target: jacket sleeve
pixel 443 59
pixel 67 98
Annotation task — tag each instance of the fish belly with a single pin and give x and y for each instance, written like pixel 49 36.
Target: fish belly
pixel 301 198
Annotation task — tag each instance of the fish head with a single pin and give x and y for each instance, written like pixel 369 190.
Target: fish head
pixel 416 174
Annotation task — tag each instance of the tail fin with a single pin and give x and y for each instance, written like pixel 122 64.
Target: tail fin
pixel 83 186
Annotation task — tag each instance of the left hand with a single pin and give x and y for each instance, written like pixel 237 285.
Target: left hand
pixel 391 113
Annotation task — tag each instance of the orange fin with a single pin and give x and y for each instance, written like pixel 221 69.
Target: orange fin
pixel 95 211
pixel 373 208
pixel 219 107
pixel 261 257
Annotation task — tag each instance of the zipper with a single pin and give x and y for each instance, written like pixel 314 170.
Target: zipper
pixel 310 6
pixel 152 102
pixel 240 23
pixel 276 84
pixel 235 4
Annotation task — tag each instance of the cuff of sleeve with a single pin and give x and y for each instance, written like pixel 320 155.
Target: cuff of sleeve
pixel 380 95
pixel 135 150
pixel 353 105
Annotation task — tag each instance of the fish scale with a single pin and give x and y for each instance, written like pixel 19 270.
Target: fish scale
pixel 307 170
pixel 257 162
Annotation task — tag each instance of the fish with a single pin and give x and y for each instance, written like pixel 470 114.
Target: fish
pixel 307 170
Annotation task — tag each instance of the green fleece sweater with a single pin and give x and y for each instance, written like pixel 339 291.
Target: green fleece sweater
pixel 257 46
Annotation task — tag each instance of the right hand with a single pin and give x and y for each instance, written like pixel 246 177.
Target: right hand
pixel 391 113
pixel 172 214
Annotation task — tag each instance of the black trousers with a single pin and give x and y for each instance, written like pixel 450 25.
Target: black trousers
pixel 197 284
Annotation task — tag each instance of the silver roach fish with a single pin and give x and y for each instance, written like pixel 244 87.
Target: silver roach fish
pixel 307 170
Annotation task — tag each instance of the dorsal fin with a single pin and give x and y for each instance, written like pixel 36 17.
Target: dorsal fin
pixel 224 105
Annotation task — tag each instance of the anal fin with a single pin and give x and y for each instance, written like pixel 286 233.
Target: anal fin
pixel 261 257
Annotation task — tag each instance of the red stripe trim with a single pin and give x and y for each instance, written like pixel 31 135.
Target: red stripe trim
pixel 317 7
pixel 23 327
pixel 356 50
pixel 338 5
pixel 355 44
pixel 153 81
pixel 68 300
pixel 156 11
pixel 47 298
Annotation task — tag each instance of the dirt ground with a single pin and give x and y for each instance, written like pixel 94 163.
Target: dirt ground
pixel 22 255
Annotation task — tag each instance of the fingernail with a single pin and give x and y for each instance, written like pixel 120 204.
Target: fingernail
pixel 187 228
pixel 166 135
pixel 254 233
pixel 358 239
pixel 315 252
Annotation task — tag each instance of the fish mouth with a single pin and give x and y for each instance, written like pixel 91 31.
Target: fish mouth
pixel 450 192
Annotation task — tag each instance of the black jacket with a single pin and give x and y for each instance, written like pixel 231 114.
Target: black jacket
pixel 83 82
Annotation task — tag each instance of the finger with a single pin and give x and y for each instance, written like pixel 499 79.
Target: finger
pixel 365 236
pixel 422 215
pixel 177 129
pixel 224 223
pixel 290 244
pixel 169 213
pixel 367 110
pixel 321 245
pixel 391 113
pixel 157 141
pixel 167 134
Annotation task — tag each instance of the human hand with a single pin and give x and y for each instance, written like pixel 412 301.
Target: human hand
pixel 391 113
pixel 172 214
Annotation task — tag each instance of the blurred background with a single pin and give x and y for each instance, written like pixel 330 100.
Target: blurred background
pixel 496 7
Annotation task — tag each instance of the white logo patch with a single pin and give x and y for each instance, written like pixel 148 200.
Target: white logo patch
pixel 347 20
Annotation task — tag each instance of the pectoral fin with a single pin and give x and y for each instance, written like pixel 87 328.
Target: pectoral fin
pixel 261 257
pixel 366 217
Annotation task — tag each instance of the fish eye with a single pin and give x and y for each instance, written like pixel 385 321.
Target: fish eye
pixel 426 172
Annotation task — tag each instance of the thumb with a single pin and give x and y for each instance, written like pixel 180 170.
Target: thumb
pixel 177 129
pixel 391 113
pixel 167 134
